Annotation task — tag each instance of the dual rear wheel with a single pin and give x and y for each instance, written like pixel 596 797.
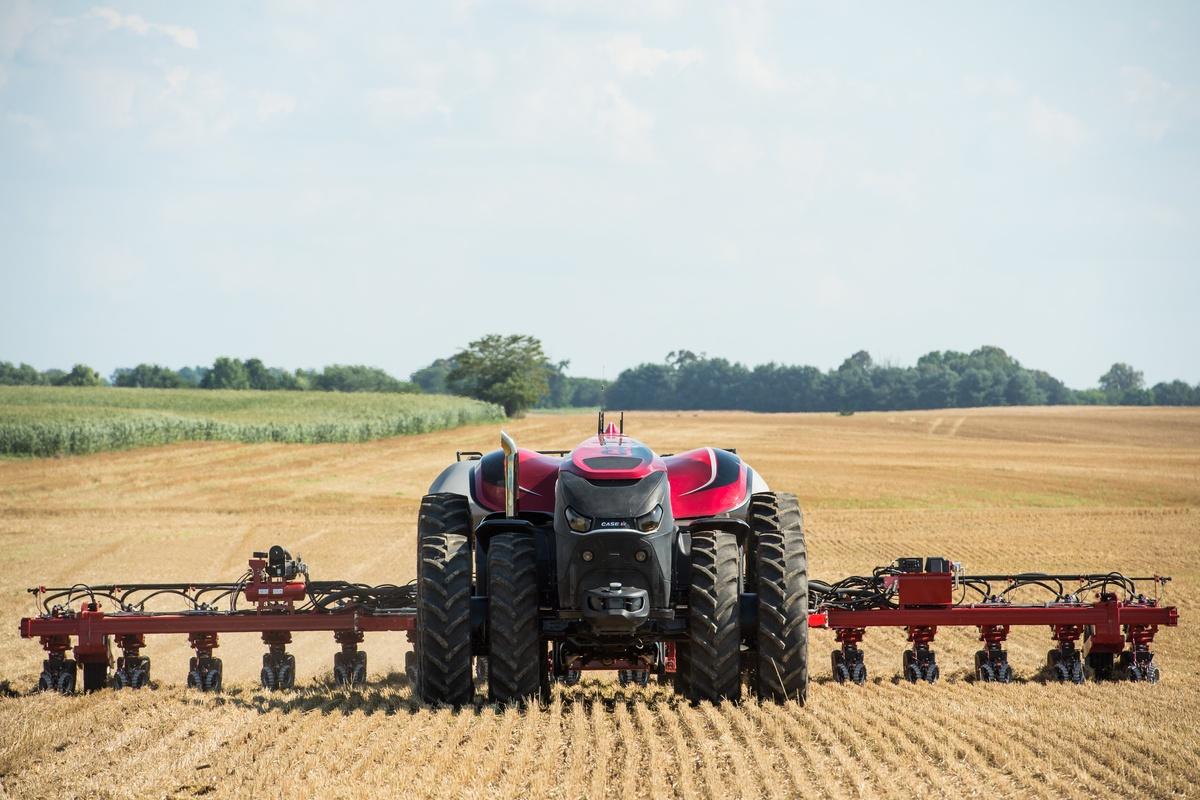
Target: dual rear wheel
pixel 516 654
pixel 778 576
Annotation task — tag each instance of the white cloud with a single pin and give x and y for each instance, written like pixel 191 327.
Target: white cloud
pixel 17 21
pixel 405 103
pixel 991 86
pixel 624 10
pixel 566 99
pixel 748 25
pixel 184 37
pixel 896 186
pixel 627 126
pixel 1154 101
pixel 729 150
pixel 190 109
pixel 110 95
pixel 1152 129
pixel 804 158
pixel 274 104
pixel 1140 86
pixel 35 129
pixel 752 68
pixel 632 57
pixel 1055 128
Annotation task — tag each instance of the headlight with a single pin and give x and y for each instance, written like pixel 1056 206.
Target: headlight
pixel 577 522
pixel 648 523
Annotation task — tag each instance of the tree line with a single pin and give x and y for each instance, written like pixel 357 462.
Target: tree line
pixel 514 372
pixel 225 373
pixel 940 379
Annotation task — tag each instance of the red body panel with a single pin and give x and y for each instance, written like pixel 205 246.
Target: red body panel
pixel 536 474
pixel 704 482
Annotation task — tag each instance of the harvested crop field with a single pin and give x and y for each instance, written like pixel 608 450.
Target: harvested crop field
pixel 1057 489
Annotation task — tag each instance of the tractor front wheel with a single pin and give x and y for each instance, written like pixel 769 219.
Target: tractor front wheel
pixel 516 654
pixel 782 585
pixel 713 652
pixel 444 600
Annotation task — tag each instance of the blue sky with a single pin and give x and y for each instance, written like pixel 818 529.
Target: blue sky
pixel 379 183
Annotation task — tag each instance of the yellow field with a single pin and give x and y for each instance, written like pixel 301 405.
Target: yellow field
pixel 1014 489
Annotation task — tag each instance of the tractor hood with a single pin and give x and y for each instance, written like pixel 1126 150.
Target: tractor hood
pixel 613 504
pixel 612 458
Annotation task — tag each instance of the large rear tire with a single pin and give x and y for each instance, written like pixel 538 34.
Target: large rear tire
pixel 444 600
pixel 516 656
pixel 714 627
pixel 782 571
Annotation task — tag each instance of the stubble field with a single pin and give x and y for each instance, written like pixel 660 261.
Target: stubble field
pixel 1058 489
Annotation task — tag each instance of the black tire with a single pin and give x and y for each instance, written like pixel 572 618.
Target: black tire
pixel 444 600
pixel 516 654
pixel 285 673
pixel 358 673
pixel 679 678
pixel 95 676
pixel 837 661
pixel 714 626
pixel 782 571
pixel 140 678
pixel 214 677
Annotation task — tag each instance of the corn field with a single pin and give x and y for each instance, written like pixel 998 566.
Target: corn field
pixel 41 421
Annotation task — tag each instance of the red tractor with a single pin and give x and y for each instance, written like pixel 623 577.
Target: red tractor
pixel 609 556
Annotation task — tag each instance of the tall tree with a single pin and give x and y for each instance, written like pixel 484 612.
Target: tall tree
pixel 432 379
pixel 1175 393
pixel 1122 383
pixel 24 375
pixel 510 370
pixel 358 378
pixel 258 375
pixel 148 376
pixel 226 373
pixel 80 375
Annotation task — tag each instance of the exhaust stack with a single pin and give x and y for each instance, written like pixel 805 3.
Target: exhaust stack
pixel 511 487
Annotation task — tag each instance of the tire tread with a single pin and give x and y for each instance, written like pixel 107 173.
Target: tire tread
pixel 444 599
